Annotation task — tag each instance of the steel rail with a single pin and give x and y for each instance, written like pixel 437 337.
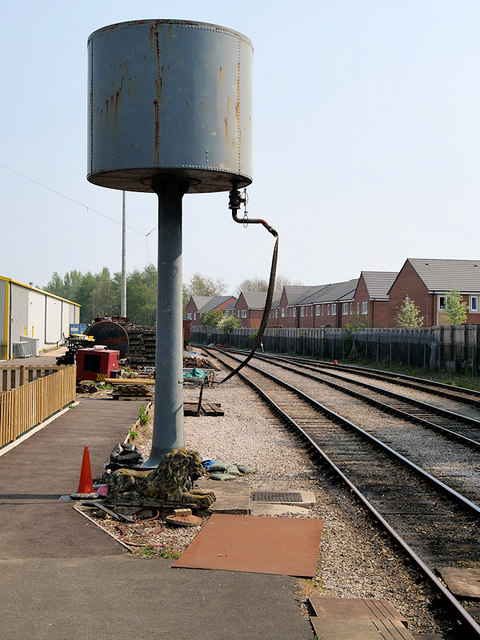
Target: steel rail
pixel 473 626
pixel 470 442
pixel 458 394
pixel 396 396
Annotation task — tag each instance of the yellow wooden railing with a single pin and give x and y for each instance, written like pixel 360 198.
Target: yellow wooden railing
pixel 32 403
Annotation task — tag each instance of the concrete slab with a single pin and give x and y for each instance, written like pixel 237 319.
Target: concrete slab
pixel 357 619
pixel 232 496
pixel 124 598
pixel 358 608
pixel 268 509
pixel 338 629
pixel 462 581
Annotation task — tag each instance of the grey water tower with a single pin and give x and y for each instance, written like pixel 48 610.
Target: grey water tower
pixel 170 112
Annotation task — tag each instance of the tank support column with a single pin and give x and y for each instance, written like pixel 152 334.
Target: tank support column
pixel 168 418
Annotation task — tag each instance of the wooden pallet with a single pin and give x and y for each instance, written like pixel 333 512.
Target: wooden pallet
pixel 206 409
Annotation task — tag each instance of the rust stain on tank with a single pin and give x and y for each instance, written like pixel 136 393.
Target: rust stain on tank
pixel 220 75
pixel 237 102
pixel 156 108
pixel 186 103
pixel 118 97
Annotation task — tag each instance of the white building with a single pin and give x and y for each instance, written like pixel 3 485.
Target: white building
pixel 28 313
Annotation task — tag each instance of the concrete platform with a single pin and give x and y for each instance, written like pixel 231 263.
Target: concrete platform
pixel 63 577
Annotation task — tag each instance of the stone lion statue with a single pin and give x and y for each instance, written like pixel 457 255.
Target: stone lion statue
pixel 171 482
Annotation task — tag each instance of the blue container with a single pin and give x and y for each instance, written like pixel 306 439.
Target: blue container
pixel 76 329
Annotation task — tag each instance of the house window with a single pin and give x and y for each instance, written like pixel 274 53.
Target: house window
pixel 345 308
pixel 294 312
pixel 473 303
pixel 283 312
pixel 351 307
pixel 364 308
pixel 311 311
pixel 302 312
pixel 317 310
pixel 189 316
pixel 194 316
pixel 334 309
pixel 238 313
pixel 244 313
pixel 358 308
pixel 276 313
pixel 322 308
pixel 442 303
pixel 328 310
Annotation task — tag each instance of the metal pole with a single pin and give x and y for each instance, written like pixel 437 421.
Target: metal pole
pixel 168 416
pixel 123 297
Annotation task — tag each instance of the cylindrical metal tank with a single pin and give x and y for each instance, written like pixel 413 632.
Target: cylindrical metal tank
pixel 170 100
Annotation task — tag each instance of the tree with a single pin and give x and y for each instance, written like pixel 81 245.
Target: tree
pixel 455 308
pixel 142 296
pixel 260 284
pixel 228 323
pixel 254 284
pixel 409 314
pixel 205 286
pixel 211 318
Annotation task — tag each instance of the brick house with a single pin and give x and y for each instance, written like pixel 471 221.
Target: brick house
pixel 427 282
pixel 284 310
pixel 198 304
pixel 371 306
pixel 249 308
pixel 323 308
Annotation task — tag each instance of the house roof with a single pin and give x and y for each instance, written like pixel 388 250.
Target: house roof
pixel 294 293
pixel 200 301
pixel 214 302
pixel 255 299
pixel 445 275
pixel 378 283
pixel 331 293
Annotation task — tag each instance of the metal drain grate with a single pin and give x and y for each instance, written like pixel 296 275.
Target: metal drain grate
pixel 275 496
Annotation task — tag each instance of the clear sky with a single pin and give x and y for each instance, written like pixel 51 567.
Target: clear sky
pixel 365 148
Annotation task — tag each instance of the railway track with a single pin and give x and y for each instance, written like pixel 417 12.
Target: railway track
pixel 435 525
pixel 465 396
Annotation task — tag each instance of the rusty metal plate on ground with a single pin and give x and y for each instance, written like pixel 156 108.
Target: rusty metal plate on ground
pixel 462 581
pixel 256 544
pixel 275 496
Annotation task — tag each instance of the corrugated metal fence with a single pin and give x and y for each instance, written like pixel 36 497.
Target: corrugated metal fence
pixel 449 348
pixel 30 404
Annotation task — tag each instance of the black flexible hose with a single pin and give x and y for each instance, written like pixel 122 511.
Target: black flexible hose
pixel 270 291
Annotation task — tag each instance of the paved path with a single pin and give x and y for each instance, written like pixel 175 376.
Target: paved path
pixel 62 578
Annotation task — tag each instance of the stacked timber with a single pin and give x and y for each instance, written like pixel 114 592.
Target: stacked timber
pixel 132 388
pixel 141 346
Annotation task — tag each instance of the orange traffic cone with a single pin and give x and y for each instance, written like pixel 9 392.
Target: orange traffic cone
pixel 85 489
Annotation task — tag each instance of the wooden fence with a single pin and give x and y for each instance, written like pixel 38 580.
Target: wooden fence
pixel 454 349
pixel 13 376
pixel 28 405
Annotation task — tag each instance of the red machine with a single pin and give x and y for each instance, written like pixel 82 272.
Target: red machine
pixel 97 363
